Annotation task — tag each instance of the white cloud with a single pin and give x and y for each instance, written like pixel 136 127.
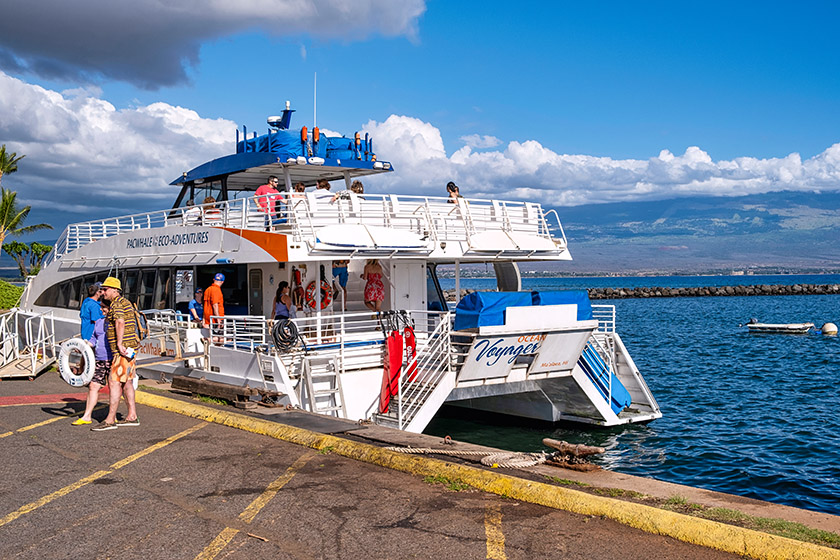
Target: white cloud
pixel 529 170
pixel 86 158
pixel 84 155
pixel 478 142
pixel 151 43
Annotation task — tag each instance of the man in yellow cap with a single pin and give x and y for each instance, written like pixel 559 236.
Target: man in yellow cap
pixel 123 339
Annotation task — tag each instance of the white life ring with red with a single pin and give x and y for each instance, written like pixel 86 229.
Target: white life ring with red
pixel 326 295
pixel 84 374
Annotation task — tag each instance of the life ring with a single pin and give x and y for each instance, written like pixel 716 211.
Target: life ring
pixel 326 295
pixel 88 363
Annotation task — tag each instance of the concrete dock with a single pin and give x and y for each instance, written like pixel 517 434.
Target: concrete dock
pixel 206 481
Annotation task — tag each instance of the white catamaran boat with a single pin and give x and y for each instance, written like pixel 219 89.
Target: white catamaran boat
pixel 550 356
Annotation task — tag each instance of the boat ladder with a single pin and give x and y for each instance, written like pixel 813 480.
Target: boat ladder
pixel 321 375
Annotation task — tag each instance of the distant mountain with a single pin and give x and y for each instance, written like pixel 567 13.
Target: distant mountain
pixel 784 230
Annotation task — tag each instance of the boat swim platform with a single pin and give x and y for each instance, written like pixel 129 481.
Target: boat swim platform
pixel 362 441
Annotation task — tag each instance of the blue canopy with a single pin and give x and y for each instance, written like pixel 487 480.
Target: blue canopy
pixel 481 309
pixel 578 297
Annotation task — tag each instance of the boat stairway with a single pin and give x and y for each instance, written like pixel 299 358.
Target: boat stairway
pixel 419 393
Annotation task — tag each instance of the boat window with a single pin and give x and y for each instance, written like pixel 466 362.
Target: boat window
pixel 145 293
pixel 49 298
pixel 434 295
pixel 162 289
pixel 202 191
pixel 129 283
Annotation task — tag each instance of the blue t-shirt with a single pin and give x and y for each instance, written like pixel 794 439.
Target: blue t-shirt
pixel 91 311
pixel 199 309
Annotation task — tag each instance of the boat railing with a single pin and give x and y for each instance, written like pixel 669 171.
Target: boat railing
pixel 9 348
pixel 300 215
pixel 40 333
pixel 422 374
pixel 605 314
pixel 240 332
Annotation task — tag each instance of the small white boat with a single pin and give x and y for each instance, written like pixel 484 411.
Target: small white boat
pixel 780 328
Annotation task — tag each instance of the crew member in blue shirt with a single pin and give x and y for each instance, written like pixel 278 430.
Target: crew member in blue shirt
pixel 196 307
pixel 91 310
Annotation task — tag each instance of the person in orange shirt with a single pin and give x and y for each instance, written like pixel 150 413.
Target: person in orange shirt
pixel 214 303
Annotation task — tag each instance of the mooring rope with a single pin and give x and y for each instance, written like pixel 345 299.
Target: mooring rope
pixel 504 460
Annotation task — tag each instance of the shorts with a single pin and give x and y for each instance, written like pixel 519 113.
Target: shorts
pixel 122 369
pixel 101 371
pixel 341 274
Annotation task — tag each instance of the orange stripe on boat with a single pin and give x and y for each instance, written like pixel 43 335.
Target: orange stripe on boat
pixel 272 243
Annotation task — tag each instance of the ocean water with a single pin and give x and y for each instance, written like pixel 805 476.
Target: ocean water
pixel 751 415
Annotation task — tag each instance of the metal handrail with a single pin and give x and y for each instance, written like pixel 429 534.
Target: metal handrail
pixel 295 216
pixel 430 364
pixel 42 343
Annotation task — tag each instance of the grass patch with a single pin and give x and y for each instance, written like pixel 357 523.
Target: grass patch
pixel 450 484
pixel 675 501
pixel 619 493
pixel 213 400
pixel 325 450
pixel 566 481
pixel 779 527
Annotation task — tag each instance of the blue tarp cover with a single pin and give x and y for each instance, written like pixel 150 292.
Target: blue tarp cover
pixel 482 309
pixel 579 297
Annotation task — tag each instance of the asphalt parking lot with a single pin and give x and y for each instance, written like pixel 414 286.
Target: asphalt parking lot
pixel 176 487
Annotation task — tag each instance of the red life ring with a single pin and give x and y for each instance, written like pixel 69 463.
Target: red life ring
pixel 326 294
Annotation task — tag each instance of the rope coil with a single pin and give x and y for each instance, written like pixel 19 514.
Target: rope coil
pixel 504 460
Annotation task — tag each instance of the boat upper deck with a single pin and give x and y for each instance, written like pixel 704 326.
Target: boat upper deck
pixel 359 225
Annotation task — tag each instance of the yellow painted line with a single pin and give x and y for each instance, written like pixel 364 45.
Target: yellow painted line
pixel 493 532
pixel 95 476
pixel 45 422
pixel 227 534
pixel 711 534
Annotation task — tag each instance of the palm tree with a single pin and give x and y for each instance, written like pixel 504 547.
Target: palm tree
pixel 8 163
pixel 12 217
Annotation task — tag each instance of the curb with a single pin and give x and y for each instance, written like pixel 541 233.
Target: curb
pixel 711 534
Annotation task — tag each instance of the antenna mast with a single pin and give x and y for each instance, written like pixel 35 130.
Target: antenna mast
pixel 315 102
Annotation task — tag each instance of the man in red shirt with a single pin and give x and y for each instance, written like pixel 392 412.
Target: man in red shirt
pixel 267 198
pixel 214 304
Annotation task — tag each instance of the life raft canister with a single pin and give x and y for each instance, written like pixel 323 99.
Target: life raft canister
pixel 326 294
pixel 87 364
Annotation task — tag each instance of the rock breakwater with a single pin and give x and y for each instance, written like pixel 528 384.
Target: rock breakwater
pixel 710 291
pixel 707 291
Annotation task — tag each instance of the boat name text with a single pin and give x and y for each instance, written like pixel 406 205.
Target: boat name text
pixel 193 238
pixel 494 352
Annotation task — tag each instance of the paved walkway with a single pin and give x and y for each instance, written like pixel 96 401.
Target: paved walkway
pixel 181 487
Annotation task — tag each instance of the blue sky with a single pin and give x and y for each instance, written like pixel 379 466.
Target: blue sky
pixel 566 103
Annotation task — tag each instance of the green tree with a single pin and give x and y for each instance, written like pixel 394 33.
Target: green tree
pixel 12 217
pixel 8 161
pixel 18 251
